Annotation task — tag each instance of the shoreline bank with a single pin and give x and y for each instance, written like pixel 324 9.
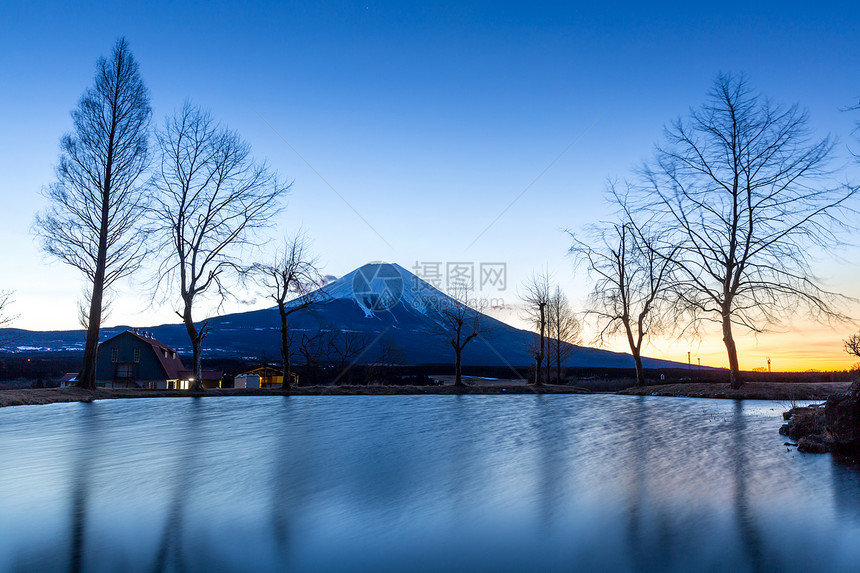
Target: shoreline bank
pixel 749 391
pixel 31 397
pixel 789 392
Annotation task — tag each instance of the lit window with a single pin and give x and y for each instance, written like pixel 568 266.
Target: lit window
pixel 114 354
pixel 137 355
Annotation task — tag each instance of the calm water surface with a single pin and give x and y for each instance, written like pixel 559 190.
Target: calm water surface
pixel 419 483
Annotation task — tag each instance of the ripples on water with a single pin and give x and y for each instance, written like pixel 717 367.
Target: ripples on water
pixel 496 483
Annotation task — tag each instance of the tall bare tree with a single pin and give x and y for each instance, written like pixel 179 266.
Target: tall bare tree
pixel 293 281
pixel 5 318
pixel 743 186
pixel 459 317
pixel 93 221
pixel 536 298
pixel 564 330
pixel 632 280
pixel 212 199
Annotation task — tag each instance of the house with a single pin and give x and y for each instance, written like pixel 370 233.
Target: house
pixel 134 359
pixel 69 379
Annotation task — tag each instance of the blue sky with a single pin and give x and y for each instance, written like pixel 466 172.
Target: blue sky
pixel 427 120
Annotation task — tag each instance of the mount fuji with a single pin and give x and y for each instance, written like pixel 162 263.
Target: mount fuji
pixel 380 302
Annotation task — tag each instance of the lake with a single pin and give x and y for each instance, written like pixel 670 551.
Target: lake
pixel 419 483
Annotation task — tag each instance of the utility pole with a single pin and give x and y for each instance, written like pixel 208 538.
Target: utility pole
pixel 768 363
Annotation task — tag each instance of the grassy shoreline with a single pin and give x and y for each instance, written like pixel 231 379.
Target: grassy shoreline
pixel 785 391
pixel 749 391
pixel 26 397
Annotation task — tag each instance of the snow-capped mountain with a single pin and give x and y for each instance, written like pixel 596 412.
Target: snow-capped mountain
pixel 381 304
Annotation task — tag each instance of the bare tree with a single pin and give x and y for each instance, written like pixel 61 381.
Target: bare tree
pixel 536 299
pixel 564 330
pixel 852 345
pixel 742 186
pixel 631 280
pixel 5 302
pixel 459 317
pixel 388 359
pixel 5 318
pixel 212 198
pixel 344 349
pixel 294 283
pixel 313 349
pixel 93 222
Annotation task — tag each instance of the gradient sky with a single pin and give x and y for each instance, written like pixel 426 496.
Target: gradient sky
pixel 426 120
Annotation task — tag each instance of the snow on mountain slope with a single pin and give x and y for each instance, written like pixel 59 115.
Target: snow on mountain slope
pixel 382 287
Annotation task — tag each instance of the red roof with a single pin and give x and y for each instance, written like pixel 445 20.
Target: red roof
pixel 169 359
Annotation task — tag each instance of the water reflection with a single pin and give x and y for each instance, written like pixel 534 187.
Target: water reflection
pixel 87 441
pixel 637 439
pixel 553 447
pixel 606 483
pixel 170 546
pixel 744 513
pixel 846 488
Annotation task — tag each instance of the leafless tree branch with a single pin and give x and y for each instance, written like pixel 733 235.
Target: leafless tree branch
pixel 212 200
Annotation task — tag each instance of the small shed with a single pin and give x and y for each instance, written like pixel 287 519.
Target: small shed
pixel 246 381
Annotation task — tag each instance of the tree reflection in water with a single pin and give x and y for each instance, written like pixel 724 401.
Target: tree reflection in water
pixel 88 439
pixel 189 443
pixel 751 538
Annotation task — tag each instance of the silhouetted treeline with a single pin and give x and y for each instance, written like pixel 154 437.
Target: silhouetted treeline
pixel 51 366
pixel 47 366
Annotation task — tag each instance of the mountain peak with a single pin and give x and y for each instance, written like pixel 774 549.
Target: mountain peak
pixel 381 287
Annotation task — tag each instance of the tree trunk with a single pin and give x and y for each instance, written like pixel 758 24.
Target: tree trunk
pixel 640 372
pixel 728 339
pixel 558 360
pixel 196 345
pixel 87 378
pixel 197 384
pixel 285 346
pixel 548 363
pixel 458 377
pixel 540 355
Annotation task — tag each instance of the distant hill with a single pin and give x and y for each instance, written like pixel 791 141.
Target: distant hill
pixel 377 302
